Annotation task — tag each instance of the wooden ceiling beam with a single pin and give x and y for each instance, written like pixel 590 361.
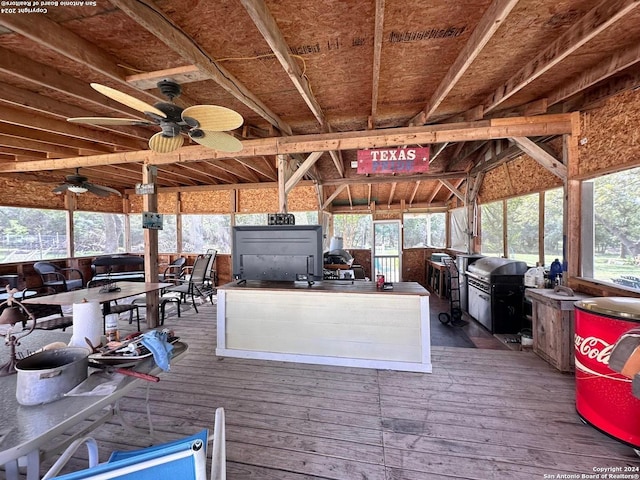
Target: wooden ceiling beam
pixel 394 185
pixel 541 156
pixel 436 189
pixel 216 171
pixel 487 27
pixel 21 118
pixel 48 77
pixel 594 22
pixel 182 75
pixel 239 171
pixel 617 62
pixel 301 171
pixel 452 188
pixel 22 152
pixel 413 193
pixel 395 178
pixel 264 169
pixel 377 56
pixel 266 24
pixel 331 197
pixel 25 99
pixel 147 14
pixel 84 147
pixel 486 129
pixel 49 34
pixel 187 175
pixel 17 142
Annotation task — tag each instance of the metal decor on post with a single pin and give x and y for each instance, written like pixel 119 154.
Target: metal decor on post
pixel 453 284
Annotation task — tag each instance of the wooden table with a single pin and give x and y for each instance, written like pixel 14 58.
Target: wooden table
pixel 33 431
pixel 94 294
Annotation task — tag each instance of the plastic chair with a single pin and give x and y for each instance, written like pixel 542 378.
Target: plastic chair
pixel 59 278
pixel 183 459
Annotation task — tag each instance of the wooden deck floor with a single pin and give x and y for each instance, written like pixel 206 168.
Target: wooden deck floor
pixel 482 414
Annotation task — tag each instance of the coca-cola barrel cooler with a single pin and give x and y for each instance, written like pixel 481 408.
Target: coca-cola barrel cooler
pixel 603 397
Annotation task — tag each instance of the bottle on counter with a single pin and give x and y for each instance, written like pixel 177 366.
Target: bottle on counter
pixel 111 327
pixel 555 273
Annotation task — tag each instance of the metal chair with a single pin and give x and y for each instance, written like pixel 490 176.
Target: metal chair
pixel 58 278
pixel 174 271
pixel 185 459
pixel 198 284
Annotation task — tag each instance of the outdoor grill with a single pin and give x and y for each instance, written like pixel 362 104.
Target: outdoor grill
pixel 496 289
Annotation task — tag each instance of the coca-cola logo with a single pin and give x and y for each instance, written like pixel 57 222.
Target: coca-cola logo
pixel 593 348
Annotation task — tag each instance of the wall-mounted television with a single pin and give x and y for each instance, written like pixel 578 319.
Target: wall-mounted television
pixel 281 253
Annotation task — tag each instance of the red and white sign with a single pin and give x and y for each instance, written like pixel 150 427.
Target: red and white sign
pixel 393 160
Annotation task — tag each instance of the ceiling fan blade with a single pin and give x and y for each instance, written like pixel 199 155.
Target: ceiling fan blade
pixel 61 188
pixel 161 144
pixel 108 121
pixel 216 140
pixel 127 100
pixel 101 190
pixel 213 117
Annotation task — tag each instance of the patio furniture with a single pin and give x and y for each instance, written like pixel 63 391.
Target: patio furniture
pixel 198 283
pixel 40 432
pixel 174 271
pixel 115 268
pixel 184 458
pixel 59 278
pixel 47 316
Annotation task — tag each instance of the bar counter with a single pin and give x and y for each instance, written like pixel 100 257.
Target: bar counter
pixel 328 323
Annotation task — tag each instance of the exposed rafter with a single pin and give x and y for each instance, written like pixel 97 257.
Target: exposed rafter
pixel 151 17
pixel 489 24
pixel 585 29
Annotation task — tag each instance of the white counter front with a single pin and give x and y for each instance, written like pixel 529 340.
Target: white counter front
pixel 330 323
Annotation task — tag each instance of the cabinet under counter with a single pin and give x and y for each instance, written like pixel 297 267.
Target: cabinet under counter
pixel 552 318
pixel 329 323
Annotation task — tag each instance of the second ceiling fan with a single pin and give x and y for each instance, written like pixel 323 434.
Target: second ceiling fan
pixel 205 124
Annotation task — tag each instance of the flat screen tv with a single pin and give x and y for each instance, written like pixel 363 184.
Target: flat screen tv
pixel 280 253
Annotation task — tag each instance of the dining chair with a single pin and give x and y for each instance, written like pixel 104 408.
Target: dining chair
pixel 185 458
pixel 197 283
pixel 61 279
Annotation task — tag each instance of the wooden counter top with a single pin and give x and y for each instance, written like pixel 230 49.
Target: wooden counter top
pixel 331 286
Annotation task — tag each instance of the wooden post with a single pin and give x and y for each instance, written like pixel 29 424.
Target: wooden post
pixel 150 204
pixel 282 180
pixel 571 204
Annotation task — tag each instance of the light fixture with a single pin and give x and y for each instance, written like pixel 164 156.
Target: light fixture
pixel 77 189
pixel 14 312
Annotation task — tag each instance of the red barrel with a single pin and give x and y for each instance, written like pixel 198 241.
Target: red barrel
pixel 603 396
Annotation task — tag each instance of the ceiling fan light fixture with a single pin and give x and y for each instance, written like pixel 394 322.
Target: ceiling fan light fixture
pixel 77 189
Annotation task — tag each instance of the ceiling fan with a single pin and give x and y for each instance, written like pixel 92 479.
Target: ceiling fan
pixel 80 184
pixel 205 124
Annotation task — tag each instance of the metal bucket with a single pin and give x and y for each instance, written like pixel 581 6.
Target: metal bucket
pixel 46 376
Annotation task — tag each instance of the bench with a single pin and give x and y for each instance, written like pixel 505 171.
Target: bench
pixel 112 268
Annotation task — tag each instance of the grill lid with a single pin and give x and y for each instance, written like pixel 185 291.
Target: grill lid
pixel 492 266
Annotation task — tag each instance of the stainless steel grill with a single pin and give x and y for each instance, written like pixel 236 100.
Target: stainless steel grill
pixel 496 287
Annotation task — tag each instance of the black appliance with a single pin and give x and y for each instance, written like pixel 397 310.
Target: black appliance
pixel 277 253
pixel 463 260
pixel 496 292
